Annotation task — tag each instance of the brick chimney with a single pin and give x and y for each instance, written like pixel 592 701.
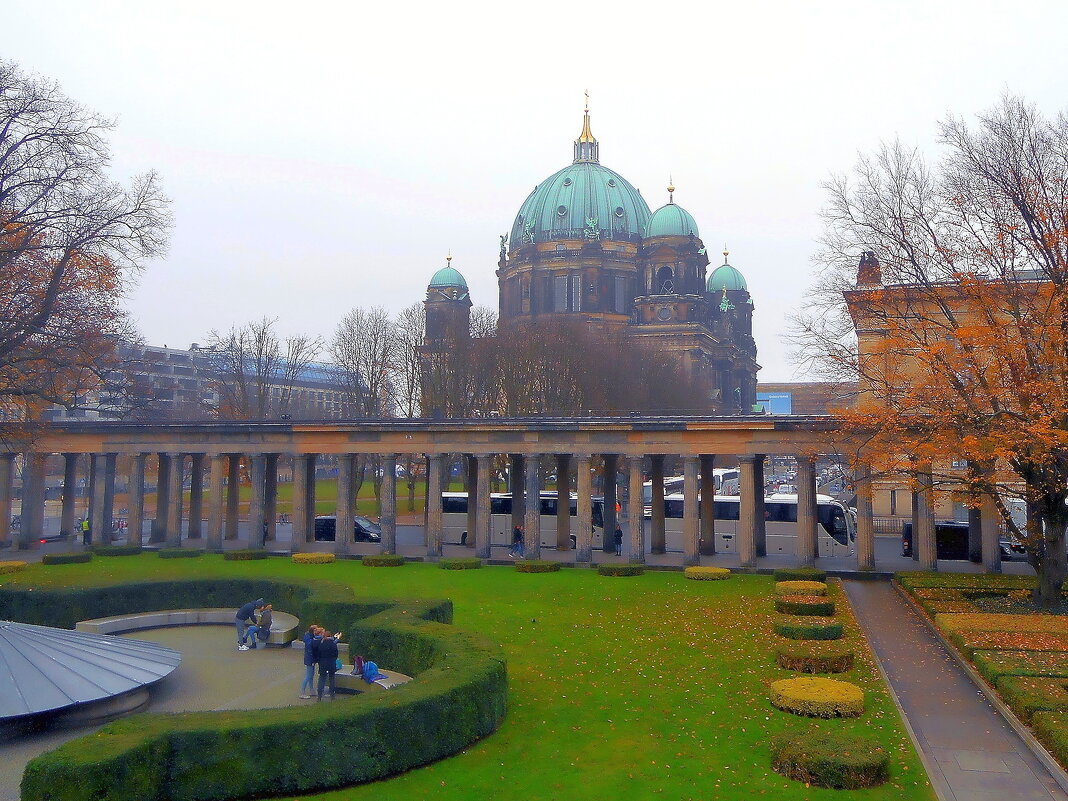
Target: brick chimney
pixel 869 274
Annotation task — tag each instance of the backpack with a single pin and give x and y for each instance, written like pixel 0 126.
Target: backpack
pixel 370 670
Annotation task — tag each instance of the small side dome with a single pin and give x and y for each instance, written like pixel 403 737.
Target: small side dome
pixel 447 277
pixel 671 220
pixel 726 277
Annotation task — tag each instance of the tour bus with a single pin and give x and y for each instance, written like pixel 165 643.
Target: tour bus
pixel 454 511
pixel 725 480
pixel 836 532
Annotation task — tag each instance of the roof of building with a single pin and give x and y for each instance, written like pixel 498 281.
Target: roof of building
pixel 45 669
pixel 726 277
pixel 448 276
pixel 671 220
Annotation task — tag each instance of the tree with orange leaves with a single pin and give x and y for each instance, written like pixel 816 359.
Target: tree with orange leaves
pixel 956 323
pixel 70 241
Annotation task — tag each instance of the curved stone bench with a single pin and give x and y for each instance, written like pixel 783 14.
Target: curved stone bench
pixel 346 681
pixel 283 624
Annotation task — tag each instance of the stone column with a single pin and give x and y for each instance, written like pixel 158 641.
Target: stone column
pixel 635 543
pixel 33 495
pixel 990 520
pixel 471 485
pixel 691 534
pixel 435 523
pixel 233 496
pixel 584 512
pixel 748 510
pixel 135 518
pixel 807 545
pixel 92 507
pixel 708 505
pixel 611 467
pixel 923 526
pixel 68 520
pixel 301 535
pixel 7 491
pixel 216 518
pixel 761 532
pixel 532 501
pixel 517 486
pixel 563 502
pixel 163 498
pixel 388 519
pixel 196 497
pixel 257 506
pixel 483 524
pixel 174 515
pixel 657 535
pixel 270 496
pixel 346 502
pixel 97 486
pixel 865 520
pixel 106 533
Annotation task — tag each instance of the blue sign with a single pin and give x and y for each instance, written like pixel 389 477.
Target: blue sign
pixel 777 402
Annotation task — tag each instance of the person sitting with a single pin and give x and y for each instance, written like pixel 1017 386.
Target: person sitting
pixel 244 619
pixel 262 630
pixel 370 672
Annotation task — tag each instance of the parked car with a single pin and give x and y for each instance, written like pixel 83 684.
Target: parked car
pixel 951 541
pixel 363 529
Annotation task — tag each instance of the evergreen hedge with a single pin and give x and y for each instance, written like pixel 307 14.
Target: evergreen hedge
pixel 312 558
pixel 178 553
pixel 825 759
pixel 699 573
pixel 244 555
pixel 808 628
pixel 1051 728
pixel 1030 694
pixel 12 567
pixel 817 697
pixel 458 696
pixel 383 560
pixel 116 550
pixel 800 574
pixel 67 558
pixel 814 656
pixel 460 563
pixel 536 566
pixel 620 570
pixel 804 605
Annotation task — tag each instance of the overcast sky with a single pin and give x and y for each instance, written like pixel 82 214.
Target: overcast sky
pixel 323 155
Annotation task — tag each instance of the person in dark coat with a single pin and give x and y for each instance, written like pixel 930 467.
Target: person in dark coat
pixel 262 630
pixel 619 540
pixel 517 542
pixel 327 663
pixel 244 618
pixel 312 637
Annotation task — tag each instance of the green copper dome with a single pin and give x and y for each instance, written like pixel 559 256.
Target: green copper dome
pixel 447 276
pixel 726 277
pixel 671 220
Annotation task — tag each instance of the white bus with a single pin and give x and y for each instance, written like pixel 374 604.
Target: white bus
pixel 725 480
pixel 454 511
pixel 835 529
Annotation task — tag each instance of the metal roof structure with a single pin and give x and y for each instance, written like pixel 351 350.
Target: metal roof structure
pixel 46 669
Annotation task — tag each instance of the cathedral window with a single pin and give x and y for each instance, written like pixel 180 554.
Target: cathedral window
pixel 620 294
pixel 560 293
pixel 665 280
pixel 576 292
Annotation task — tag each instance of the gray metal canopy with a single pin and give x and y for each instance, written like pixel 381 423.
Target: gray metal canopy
pixel 44 669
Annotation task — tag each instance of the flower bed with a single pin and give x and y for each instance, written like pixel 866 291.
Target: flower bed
pixel 620 570
pixel 244 555
pixel 536 566
pixel 460 563
pixel 993 664
pixel 804 605
pixel 800 588
pixel 800 574
pixel 706 573
pixel 816 697
pixel 1029 694
pixel 67 558
pixel 313 558
pixel 808 656
pixel 383 560
pixel 825 759
pixel 11 567
pixel 808 628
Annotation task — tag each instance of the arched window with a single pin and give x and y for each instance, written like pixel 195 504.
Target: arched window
pixel 665 280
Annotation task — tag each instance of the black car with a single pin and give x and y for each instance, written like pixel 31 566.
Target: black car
pixel 951 542
pixel 363 529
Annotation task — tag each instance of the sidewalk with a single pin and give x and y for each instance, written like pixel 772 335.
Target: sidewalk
pixel 970 752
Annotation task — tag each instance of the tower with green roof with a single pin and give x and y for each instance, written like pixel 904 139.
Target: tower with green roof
pixel 448 309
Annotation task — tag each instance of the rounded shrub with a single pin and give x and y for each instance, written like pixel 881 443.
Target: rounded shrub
pixel 808 628
pixel 245 555
pixel 460 563
pixel 814 656
pixel 313 558
pixel 116 550
pixel 800 588
pixel 835 760
pixel 816 697
pixel 800 574
pixel 11 567
pixel 621 570
pixel 706 573
pixel 67 558
pixel 536 566
pixel 804 605
pixel 180 553
pixel 383 560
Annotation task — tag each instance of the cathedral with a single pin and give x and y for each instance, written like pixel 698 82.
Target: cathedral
pixel 586 246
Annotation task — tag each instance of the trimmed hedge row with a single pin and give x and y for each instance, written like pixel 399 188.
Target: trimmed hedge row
pixel 536 566
pixel 458 696
pixel 313 558
pixel 1028 694
pixel 993 664
pixel 706 573
pixel 814 656
pixel 808 628
pixel 620 570
pixel 800 588
pixel 1051 728
pixel 800 574
pixel 816 697
pixel 917 579
pixel 837 761
pixel 383 560
pixel 971 641
pixel 461 563
pixel 116 550
pixel 179 553
pixel 245 555
pixel 67 558
pixel 804 605
pixel 12 567
pixel 1053 624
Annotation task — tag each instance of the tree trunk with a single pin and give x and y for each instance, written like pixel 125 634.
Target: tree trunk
pixel 1051 565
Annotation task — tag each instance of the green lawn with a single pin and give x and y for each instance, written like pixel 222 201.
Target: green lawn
pixel 652 686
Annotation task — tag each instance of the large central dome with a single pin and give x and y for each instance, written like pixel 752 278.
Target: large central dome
pixel 582 201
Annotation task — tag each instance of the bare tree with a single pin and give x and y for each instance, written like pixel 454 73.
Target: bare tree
pixel 300 352
pixel 364 348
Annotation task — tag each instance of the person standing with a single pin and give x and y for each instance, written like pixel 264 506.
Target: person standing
pixel 517 542
pixel 312 637
pixel 262 630
pixel 618 537
pixel 327 663
pixel 244 618
pixel 85 531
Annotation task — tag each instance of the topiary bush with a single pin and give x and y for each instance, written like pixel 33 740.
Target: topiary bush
pixel 1051 728
pixel 67 558
pixel 816 697
pixel 383 560
pixel 620 570
pixel 460 563
pixel 706 573
pixel 243 555
pixel 826 759
pixel 800 574
pixel 313 558
pixel 1029 694
pixel 804 605
pixel 807 656
pixel 536 566
pixel 179 553
pixel 808 628
pixel 116 550
pixel 800 588
pixel 11 567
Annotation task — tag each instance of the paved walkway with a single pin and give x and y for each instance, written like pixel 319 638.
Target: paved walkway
pixel 971 753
